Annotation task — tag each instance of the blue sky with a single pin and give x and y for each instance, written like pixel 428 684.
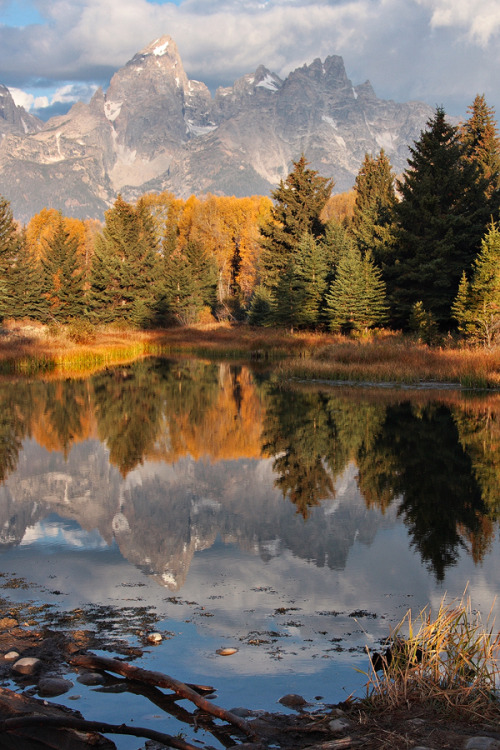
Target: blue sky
pixel 443 52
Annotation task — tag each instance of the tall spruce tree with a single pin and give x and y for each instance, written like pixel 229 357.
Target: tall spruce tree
pixel 62 277
pixel 441 218
pixel 477 304
pixel 26 282
pixel 124 274
pixel 356 299
pixel 298 202
pixel 9 246
pixel 479 135
pixel 373 219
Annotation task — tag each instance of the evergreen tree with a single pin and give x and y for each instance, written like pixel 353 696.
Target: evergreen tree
pixel 261 307
pixel 311 272
pixel 373 218
pixel 123 283
pixel 477 305
pixel 481 141
pixel 27 285
pixel 9 246
pixel 298 202
pixel 440 221
pixel 356 299
pixel 62 277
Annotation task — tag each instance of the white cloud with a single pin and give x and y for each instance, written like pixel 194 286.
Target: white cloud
pixel 480 20
pixel 437 50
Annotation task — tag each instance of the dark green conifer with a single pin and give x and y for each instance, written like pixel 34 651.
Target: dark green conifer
pixel 373 218
pixel 298 202
pixel 479 135
pixel 62 276
pixel 124 274
pixel 356 299
pixel 441 218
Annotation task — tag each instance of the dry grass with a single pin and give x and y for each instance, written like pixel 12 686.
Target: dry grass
pixel 381 358
pixel 397 359
pixel 449 663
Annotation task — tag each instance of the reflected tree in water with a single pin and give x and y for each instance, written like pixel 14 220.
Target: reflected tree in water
pixel 16 412
pixel 418 460
pixel 66 413
pixel 129 403
pixel 296 432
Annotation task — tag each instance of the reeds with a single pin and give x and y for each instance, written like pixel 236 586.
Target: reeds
pixel 447 663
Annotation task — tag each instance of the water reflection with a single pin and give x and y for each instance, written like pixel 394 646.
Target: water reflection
pixel 166 456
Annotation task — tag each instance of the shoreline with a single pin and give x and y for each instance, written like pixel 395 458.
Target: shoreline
pixel 382 360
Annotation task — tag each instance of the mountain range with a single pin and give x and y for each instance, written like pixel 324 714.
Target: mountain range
pixel 154 130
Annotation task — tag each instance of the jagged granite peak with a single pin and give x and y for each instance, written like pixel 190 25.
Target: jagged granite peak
pixel 13 118
pixel 155 129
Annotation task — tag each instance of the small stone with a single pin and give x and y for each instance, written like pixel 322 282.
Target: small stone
pixel 226 651
pixel 51 686
pixel 8 622
pixel 154 638
pixel 339 725
pixel 11 656
pixel 291 700
pixel 27 665
pixel 482 743
pixel 90 679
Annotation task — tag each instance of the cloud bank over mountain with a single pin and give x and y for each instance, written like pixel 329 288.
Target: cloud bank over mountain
pixel 439 51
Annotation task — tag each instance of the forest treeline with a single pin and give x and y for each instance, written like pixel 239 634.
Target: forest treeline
pixel 437 463
pixel 416 253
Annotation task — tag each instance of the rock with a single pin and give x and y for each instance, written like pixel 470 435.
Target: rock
pixel 243 713
pixel 291 700
pixel 339 725
pixel 482 743
pixel 226 651
pixel 51 686
pixel 8 622
pixel 154 638
pixel 27 665
pixel 11 656
pixel 90 678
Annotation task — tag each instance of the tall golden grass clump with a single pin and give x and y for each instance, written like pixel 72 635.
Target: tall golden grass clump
pixel 448 663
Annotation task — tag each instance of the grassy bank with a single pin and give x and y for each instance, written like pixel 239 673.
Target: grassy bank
pixel 27 348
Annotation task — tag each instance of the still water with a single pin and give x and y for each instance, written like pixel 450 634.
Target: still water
pixel 205 501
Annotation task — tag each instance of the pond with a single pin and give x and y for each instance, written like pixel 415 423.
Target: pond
pixel 208 502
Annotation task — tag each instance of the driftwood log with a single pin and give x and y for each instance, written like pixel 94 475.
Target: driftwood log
pixel 159 679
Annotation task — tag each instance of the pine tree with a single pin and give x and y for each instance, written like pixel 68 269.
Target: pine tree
pixel 298 202
pixel 440 221
pixel 373 218
pixel 62 277
pixel 26 282
pixel 356 299
pixel 311 272
pixel 477 305
pixel 479 135
pixel 9 246
pixel 124 274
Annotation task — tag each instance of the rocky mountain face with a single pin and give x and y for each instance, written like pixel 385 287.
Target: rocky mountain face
pixel 154 129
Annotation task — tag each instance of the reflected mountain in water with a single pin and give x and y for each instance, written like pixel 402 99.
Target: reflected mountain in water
pixel 165 457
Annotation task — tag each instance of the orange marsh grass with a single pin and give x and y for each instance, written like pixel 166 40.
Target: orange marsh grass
pixel 449 663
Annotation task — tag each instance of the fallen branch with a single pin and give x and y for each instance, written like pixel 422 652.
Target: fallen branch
pixel 159 679
pixel 21 722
